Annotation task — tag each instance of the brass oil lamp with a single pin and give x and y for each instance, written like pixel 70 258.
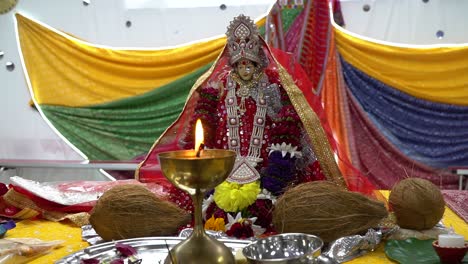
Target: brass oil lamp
pixel 197 172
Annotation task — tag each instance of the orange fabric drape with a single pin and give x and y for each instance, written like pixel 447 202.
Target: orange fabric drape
pixel 331 99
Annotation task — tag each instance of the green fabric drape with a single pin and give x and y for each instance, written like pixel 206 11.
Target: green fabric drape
pixel 122 129
pixel 289 15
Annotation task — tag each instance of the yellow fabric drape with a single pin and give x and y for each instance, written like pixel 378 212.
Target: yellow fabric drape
pixel 67 71
pixel 437 74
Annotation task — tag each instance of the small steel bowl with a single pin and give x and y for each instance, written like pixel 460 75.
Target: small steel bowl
pixel 284 248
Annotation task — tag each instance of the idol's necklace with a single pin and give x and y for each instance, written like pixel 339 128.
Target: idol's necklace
pixel 245 173
pixel 244 89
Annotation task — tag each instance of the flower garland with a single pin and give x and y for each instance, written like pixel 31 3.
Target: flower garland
pixel 253 219
pixel 280 171
pixel 245 210
pixel 204 110
pixel 288 127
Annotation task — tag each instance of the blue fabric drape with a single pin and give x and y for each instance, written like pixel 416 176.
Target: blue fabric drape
pixel 433 133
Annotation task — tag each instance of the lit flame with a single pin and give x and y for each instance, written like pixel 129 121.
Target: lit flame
pixel 198 135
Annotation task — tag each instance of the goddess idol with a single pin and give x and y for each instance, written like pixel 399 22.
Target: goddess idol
pixel 248 103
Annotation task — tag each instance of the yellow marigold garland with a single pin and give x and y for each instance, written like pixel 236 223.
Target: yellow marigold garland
pixel 232 197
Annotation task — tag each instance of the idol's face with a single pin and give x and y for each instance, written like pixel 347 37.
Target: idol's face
pixel 245 69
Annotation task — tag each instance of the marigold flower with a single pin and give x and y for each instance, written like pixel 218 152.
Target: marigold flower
pixel 232 197
pixel 215 224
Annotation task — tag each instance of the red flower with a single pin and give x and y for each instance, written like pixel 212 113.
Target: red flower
pixel 214 210
pixel 3 189
pixel 90 261
pixel 262 209
pixel 125 250
pixel 241 230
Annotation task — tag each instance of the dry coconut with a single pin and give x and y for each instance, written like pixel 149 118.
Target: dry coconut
pixel 129 211
pixel 322 209
pixel 417 203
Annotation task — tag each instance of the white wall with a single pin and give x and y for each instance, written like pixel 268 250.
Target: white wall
pixel 408 21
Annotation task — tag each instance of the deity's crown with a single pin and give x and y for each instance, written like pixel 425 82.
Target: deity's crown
pixel 243 40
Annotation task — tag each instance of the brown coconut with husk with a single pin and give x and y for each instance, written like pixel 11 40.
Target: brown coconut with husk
pixel 129 211
pixel 417 203
pixel 323 209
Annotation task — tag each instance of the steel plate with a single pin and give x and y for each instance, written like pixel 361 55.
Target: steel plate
pixel 150 249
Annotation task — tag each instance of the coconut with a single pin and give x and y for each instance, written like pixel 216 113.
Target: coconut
pixel 323 209
pixel 129 211
pixel 417 203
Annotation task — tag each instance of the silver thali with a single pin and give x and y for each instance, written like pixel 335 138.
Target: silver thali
pixel 150 249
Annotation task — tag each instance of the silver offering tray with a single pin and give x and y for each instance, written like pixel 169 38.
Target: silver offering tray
pixel 151 250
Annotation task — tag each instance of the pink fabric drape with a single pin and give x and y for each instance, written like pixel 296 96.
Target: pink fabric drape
pixel 315 40
pixel 293 35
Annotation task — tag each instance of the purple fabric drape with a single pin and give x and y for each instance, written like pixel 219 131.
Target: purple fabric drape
pixel 435 134
pixel 381 162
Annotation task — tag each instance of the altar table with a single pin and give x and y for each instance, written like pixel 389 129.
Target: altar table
pixel 47 230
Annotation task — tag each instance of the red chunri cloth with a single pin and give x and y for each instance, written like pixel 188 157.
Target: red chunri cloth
pixel 458 202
